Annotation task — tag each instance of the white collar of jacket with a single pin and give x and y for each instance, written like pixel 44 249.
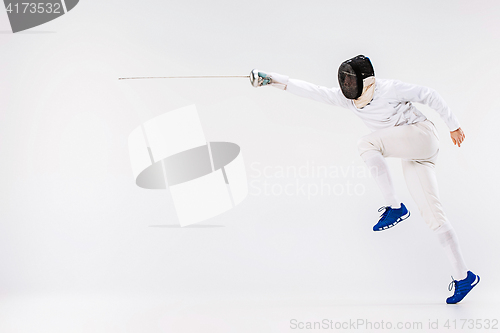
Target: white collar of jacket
pixel 367 94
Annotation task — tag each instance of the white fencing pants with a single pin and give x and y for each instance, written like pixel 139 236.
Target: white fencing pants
pixel 418 146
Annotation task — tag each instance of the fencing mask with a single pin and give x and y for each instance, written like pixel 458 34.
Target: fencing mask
pixel 352 72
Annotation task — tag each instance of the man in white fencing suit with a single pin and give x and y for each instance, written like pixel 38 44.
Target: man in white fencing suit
pixel 398 130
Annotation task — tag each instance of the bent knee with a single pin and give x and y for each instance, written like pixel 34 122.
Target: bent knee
pixel 366 144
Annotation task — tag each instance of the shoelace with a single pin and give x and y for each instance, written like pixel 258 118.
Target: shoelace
pixel 452 284
pixel 460 286
pixel 387 209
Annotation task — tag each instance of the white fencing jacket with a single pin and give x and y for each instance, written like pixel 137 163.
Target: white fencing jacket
pixel 392 103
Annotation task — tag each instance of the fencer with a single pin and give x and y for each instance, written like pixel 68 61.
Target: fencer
pixel 400 130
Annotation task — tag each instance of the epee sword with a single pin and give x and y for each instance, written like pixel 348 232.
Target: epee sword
pixel 185 77
pixel 254 77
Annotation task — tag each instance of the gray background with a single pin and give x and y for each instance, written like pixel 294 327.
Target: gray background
pixel 84 249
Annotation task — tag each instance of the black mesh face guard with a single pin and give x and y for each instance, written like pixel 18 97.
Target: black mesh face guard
pixel 352 72
pixel 348 81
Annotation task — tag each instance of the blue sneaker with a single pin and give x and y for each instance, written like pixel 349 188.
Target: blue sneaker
pixel 390 217
pixel 462 287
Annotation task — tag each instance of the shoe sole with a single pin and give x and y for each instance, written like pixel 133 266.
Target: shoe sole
pixel 402 218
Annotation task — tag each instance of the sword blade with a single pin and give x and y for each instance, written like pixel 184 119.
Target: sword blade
pixel 185 77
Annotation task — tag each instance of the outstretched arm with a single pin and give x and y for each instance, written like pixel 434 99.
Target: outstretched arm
pixel 300 88
pixel 322 94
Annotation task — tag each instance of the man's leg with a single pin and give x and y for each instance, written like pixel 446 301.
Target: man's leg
pixel 379 171
pixel 412 141
pixel 418 147
pixel 407 142
pixel 421 181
